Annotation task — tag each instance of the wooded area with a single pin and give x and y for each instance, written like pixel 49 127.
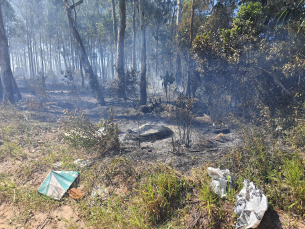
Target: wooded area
pixel 166 114
pixel 230 55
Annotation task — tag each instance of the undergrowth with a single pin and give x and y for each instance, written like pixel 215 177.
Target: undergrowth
pixel 140 195
pixel 79 131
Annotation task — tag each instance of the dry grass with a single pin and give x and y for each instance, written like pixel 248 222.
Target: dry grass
pixel 136 194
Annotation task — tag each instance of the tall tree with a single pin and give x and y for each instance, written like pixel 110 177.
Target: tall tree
pixel 6 71
pixel 143 93
pixel 178 73
pixel 120 51
pixel 115 32
pixel 92 78
pixel 189 72
pixel 134 36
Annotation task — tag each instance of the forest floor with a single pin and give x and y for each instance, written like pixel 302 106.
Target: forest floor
pixel 31 146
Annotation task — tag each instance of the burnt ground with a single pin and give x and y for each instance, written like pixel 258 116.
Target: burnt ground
pixel 207 143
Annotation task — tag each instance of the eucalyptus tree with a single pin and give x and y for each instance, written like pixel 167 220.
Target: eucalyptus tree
pixel 92 78
pixel 134 36
pixel 143 84
pixel 120 51
pixel 7 78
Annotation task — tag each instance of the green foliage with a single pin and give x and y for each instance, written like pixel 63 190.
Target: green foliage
pixel 80 131
pixel 291 13
pixel 280 174
pixel 250 18
pixel 297 134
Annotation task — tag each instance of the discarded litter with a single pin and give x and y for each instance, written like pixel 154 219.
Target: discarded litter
pixel 221 178
pixel 251 203
pixel 81 163
pixel 57 183
pixel 99 192
pixel 57 164
pixel 250 206
pixel 75 193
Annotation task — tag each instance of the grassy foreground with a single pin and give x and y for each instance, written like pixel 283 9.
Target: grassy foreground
pixel 142 194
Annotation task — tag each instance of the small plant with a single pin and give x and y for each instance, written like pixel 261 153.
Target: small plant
pixel 80 131
pixel 183 115
pixel 168 80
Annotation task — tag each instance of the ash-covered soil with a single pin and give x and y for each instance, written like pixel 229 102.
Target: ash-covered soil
pixel 209 140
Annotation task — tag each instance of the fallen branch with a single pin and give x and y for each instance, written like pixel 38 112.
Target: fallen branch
pixel 275 80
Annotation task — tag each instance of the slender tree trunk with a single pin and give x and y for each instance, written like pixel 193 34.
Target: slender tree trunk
pixel 188 86
pixel 102 63
pixel 41 55
pixel 51 67
pixel 134 36
pixel 115 32
pixel 81 73
pixel 278 83
pixel 92 79
pixel 178 58
pixel 6 72
pixel 143 93
pixel 120 51
pixel 1 90
pixel 156 51
pixel 112 64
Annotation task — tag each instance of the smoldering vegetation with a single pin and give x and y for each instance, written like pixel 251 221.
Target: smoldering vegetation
pixel 141 97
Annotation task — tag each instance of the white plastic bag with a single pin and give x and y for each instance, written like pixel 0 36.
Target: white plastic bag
pixel 221 178
pixel 250 206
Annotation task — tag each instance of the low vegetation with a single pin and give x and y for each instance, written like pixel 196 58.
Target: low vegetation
pixel 137 194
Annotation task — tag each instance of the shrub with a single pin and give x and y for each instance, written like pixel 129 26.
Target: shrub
pixel 183 115
pixel 80 131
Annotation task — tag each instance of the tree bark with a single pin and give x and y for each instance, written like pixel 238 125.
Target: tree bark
pixel 134 36
pixel 178 58
pixel 1 90
pixel 188 86
pixel 120 74
pixel 81 73
pixel 115 32
pixel 156 51
pixel 143 93
pixel 92 79
pixel 6 71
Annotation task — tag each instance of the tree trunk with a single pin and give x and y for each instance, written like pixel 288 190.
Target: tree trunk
pixel 120 51
pixel 81 73
pixel 143 93
pixel 6 72
pixel 188 86
pixel 134 37
pixel 179 9
pixel 178 58
pixel 1 90
pixel 115 32
pixel 156 51
pixel 92 79
pixel 102 63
